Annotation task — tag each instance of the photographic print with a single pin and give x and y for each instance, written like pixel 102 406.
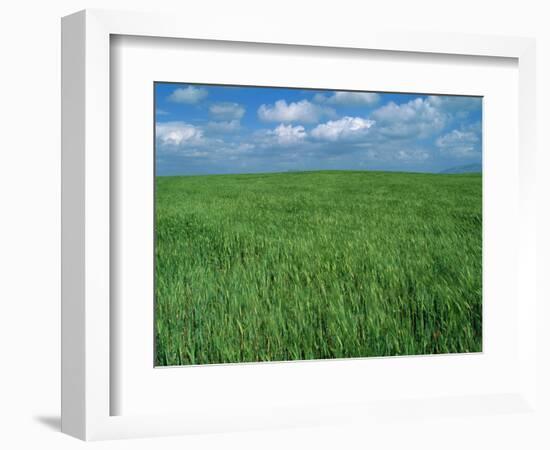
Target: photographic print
pixel 301 224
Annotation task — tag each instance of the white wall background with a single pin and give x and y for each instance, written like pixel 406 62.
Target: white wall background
pixel 30 218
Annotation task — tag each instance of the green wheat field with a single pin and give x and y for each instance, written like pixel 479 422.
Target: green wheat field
pixel 315 265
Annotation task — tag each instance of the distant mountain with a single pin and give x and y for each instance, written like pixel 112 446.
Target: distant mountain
pixel 468 168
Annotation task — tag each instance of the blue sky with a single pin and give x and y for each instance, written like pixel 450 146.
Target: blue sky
pixel 207 129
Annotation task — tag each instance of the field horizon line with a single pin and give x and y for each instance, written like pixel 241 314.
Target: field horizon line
pixel 319 171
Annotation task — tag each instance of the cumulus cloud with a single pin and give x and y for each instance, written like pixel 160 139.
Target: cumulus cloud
pixel 178 134
pixel 459 143
pixel 189 95
pixel 348 98
pixel 226 111
pixel 285 135
pixel 224 126
pixel 417 118
pixel 302 111
pixel 346 128
pixel 184 140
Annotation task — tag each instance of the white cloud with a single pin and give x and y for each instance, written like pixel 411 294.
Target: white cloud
pixel 418 118
pixel 227 111
pixel 187 140
pixel 189 95
pixel 459 143
pixel 348 98
pixel 302 111
pixel 345 128
pixel 178 134
pixel 224 126
pixel 286 135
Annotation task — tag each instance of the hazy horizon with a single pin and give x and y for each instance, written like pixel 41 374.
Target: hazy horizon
pixel 442 172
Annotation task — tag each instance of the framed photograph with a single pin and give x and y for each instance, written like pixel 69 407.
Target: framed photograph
pixel 265 229
pixel 301 224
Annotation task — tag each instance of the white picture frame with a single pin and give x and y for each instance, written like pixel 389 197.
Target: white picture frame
pixel 87 386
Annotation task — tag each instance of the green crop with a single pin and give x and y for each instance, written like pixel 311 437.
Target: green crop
pixel 314 265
